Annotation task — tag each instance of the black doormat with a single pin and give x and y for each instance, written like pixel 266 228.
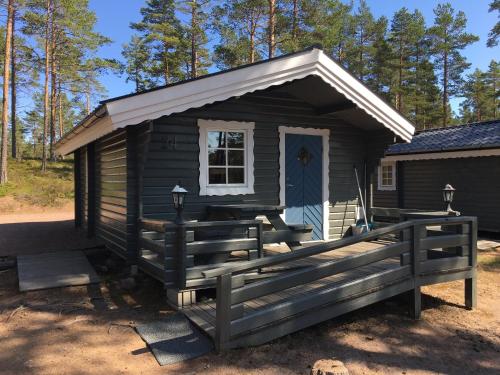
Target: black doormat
pixel 174 339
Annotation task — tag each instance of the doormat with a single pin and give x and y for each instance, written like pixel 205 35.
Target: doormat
pixel 174 339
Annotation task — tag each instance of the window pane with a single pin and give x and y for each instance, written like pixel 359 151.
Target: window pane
pixel 236 175
pixel 216 157
pixel 235 158
pixel 216 139
pixel 216 175
pixel 235 140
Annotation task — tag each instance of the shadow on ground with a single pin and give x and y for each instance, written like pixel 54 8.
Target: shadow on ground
pixel 40 237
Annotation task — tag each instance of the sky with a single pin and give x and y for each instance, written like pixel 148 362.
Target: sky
pixel 114 17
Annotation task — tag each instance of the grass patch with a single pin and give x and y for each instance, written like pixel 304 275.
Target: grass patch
pixel 490 262
pixel 28 184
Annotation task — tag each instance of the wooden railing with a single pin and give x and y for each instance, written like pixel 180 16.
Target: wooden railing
pixel 182 247
pixel 420 264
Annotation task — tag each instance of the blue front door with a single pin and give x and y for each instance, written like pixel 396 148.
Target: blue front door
pixel 303 180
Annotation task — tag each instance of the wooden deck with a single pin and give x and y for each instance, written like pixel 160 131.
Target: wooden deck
pixel 203 314
pixel 266 292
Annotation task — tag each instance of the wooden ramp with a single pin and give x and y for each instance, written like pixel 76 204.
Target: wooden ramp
pixel 53 270
pixel 320 282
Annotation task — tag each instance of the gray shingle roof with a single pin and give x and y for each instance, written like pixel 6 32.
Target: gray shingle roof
pixel 479 135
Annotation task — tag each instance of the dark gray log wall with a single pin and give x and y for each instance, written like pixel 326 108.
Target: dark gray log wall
pixel 84 182
pixel 80 187
pixel 111 196
pixel 477 181
pixel 173 155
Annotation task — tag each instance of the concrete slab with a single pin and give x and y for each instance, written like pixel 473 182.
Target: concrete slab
pixel 53 270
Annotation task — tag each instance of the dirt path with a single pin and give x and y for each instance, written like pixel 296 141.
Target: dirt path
pixel 41 230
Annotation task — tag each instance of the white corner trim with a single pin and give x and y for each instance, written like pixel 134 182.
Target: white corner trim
pixel 444 155
pixel 325 134
pixel 379 176
pixel 136 109
pixel 207 125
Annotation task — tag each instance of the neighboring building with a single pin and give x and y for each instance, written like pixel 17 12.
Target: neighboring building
pixel 237 136
pixel 467 156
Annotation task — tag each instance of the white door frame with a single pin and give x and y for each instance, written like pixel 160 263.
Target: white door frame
pixel 325 134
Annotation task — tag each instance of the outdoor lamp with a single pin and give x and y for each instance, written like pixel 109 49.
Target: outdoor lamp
pixel 448 192
pixel 178 194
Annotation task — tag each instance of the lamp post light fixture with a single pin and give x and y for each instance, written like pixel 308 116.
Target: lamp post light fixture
pixel 178 195
pixel 448 192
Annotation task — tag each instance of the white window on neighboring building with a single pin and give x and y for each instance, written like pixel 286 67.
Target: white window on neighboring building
pixel 226 157
pixel 387 175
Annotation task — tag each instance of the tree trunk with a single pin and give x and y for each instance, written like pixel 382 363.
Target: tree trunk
pixel 87 100
pixel 60 109
pixel 445 90
pixel 13 124
pixel 252 41
pixel 271 28
pixel 5 102
pixel 53 94
pixel 194 51
pixel 400 78
pixel 46 86
pixel 295 22
pixel 494 92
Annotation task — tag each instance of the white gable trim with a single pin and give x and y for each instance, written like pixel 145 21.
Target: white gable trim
pixel 136 109
pixel 444 155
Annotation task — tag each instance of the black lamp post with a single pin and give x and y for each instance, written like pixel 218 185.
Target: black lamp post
pixel 178 194
pixel 448 192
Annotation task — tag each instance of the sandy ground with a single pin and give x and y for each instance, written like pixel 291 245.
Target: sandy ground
pixel 89 330
pixel 35 230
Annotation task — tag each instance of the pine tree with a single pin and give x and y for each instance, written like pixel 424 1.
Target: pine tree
pixel 425 96
pixel 477 97
pixel 162 32
pixel 449 38
pixel 495 31
pixel 5 102
pixel 406 33
pixel 360 49
pixel 198 56
pixel 379 70
pixel 137 68
pixel 492 77
pixel 238 24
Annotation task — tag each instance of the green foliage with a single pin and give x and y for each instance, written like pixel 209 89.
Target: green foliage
pixel 495 31
pixel 481 95
pixel 162 32
pixel 29 185
pixel 448 39
pixel 239 25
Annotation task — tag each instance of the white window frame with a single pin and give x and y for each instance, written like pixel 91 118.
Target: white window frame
pixel 391 187
pixel 226 189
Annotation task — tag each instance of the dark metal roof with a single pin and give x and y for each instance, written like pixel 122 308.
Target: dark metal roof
pixel 478 135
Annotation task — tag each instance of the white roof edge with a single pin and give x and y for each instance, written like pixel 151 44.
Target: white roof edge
pixel 136 109
pixel 444 155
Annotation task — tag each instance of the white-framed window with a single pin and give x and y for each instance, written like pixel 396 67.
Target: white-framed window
pixel 226 157
pixel 387 175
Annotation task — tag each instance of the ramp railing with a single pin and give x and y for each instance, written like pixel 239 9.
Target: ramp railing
pixel 424 258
